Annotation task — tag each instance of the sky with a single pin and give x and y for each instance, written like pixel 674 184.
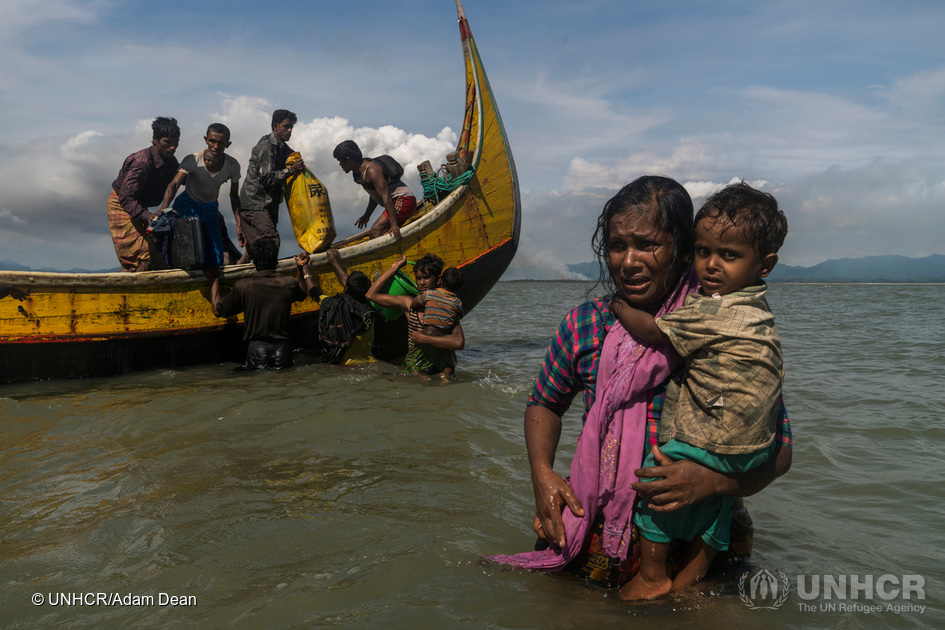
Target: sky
pixel 836 108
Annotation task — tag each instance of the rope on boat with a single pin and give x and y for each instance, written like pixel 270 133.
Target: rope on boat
pixel 436 188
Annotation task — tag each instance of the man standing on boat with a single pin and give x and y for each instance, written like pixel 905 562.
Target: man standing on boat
pixel 140 184
pixel 265 299
pixel 380 177
pixel 262 188
pixel 203 174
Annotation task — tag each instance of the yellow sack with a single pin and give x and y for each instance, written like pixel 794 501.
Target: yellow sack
pixel 309 209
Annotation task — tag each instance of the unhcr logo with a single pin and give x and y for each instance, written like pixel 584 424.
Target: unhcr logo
pixel 763 590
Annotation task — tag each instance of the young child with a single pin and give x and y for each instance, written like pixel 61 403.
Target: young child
pixel 721 407
pixel 442 309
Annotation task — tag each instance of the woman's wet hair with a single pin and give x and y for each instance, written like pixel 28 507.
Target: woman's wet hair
pixel 429 265
pixel 357 285
pixel 674 214
pixel 754 211
pixel 164 127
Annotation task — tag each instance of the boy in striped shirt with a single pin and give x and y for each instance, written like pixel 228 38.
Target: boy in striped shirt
pixel 441 308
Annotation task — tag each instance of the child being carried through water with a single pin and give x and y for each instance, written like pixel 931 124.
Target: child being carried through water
pixel 722 404
pixel 441 310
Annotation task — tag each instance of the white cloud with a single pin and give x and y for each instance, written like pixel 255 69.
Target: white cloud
pixel 76 148
pixel 7 215
pixel 920 94
pixel 700 191
pixel 17 16
pixel 686 157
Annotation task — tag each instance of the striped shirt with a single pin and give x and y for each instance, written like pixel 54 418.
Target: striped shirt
pixel 413 325
pixel 441 308
pixel 571 366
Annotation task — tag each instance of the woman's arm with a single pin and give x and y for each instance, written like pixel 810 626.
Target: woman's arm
pixel 552 492
pixel 681 483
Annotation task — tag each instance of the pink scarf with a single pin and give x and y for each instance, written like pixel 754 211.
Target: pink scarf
pixel 612 443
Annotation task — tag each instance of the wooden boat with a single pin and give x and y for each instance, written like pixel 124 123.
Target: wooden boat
pixel 73 325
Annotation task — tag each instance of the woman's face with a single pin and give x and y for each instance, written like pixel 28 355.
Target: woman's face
pixel 640 257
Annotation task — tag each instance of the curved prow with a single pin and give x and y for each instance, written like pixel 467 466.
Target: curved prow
pixel 463 24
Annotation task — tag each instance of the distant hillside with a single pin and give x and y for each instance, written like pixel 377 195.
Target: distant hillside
pixel 868 269
pixel 9 265
pixel 589 269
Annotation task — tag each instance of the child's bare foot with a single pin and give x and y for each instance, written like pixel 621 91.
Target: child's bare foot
pixel 641 588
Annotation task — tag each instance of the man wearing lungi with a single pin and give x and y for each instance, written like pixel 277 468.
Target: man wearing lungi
pixel 140 184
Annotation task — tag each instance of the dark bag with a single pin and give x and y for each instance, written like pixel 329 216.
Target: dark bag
pixel 341 319
pixel 187 248
pixel 393 171
pixel 161 230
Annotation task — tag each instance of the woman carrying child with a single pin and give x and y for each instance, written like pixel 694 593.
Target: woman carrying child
pixel 644 241
pixel 722 409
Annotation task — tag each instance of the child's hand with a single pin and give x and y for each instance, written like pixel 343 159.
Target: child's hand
pixel 616 304
pixel 301 259
pixel 400 262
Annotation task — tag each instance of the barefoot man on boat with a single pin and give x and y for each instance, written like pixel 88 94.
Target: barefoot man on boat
pixel 140 184
pixel 380 177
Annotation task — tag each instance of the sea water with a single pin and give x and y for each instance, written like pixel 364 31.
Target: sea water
pixel 316 496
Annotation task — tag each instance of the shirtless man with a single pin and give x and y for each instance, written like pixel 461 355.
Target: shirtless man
pixel 395 196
